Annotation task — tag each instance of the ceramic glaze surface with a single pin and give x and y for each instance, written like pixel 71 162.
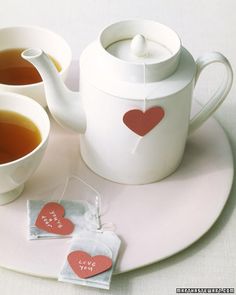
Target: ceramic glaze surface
pixel 14 174
pixel 145 51
pixel 113 83
pixel 154 156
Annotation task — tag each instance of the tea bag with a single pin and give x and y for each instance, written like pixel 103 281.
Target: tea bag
pixel 63 218
pixel 91 259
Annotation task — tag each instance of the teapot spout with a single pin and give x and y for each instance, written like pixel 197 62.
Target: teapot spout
pixel 64 104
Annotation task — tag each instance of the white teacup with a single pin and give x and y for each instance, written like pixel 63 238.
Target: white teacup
pixel 27 36
pixel 14 174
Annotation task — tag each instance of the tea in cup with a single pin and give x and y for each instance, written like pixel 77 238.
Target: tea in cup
pixel 14 70
pixel 18 75
pixel 24 129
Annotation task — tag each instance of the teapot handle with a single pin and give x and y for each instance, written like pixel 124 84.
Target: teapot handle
pixel 218 97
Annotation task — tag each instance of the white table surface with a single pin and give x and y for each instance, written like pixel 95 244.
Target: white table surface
pixel 202 26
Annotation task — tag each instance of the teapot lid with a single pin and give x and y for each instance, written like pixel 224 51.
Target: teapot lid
pixel 130 61
pixel 127 46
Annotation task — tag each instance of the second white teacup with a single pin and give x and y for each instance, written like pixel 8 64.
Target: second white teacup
pixel 28 36
pixel 15 173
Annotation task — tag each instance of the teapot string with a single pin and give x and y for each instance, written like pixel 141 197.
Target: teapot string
pixel 144 82
pixel 134 149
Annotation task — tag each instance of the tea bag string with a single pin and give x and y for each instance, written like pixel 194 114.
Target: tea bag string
pixel 98 195
pixel 64 190
pixel 107 226
pixel 99 225
pixel 98 213
pixel 144 109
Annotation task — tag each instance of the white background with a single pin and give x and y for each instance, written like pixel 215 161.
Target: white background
pixel 203 26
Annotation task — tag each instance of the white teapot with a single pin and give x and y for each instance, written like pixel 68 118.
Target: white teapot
pixel 133 109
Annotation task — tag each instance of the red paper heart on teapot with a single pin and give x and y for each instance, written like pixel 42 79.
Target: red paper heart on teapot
pixel 142 122
pixel 50 219
pixel 86 266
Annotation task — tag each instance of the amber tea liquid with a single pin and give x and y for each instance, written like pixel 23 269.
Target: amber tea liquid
pixel 14 70
pixel 18 136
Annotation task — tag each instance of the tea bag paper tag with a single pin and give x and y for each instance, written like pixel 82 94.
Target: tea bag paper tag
pixel 142 121
pixel 86 266
pixel 67 216
pixel 91 259
pixel 47 220
pixel 51 219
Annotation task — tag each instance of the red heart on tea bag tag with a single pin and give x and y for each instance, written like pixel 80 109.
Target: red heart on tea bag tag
pixel 142 122
pixel 86 266
pixel 50 219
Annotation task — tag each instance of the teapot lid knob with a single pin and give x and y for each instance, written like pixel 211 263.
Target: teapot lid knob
pixel 126 46
pixel 139 45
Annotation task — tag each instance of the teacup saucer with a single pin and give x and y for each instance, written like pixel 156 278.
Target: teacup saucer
pixel 163 218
